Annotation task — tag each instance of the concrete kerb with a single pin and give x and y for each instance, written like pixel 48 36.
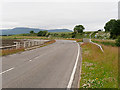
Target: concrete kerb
pixel 98 46
pixel 89 40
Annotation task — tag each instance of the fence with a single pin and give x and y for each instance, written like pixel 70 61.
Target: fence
pixel 24 44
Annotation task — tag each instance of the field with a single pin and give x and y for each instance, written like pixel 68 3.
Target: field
pixel 11 51
pixel 7 42
pixel 99 70
pixel 22 37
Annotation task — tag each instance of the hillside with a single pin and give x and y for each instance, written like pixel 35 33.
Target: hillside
pixel 21 30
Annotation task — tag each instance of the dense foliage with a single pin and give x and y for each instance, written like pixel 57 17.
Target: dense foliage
pixel 79 29
pixel 113 26
pixel 32 32
pixel 118 41
pixel 42 33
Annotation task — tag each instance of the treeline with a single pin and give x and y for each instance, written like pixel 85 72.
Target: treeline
pixel 113 26
pixel 78 33
pixel 52 34
pixel 40 33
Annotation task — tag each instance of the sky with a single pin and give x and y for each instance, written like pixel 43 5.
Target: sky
pixel 58 14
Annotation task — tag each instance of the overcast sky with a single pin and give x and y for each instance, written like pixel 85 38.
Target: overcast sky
pixel 54 14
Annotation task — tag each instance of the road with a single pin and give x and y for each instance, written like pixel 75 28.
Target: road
pixel 46 67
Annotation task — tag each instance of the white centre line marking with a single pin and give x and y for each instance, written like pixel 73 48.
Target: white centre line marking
pixel 30 60
pixel 74 69
pixel 36 57
pixel 7 70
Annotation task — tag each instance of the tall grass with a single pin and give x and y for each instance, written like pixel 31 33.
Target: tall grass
pixel 105 42
pixel 99 70
pixel 11 51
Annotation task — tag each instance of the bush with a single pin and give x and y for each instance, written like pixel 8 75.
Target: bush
pixel 42 33
pixel 118 41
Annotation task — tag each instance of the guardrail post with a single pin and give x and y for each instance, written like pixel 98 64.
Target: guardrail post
pixel 17 45
pixel 25 44
pixel 29 44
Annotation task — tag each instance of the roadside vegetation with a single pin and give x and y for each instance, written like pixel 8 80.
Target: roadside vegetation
pixel 11 51
pixel 113 26
pixel 99 70
pixel 105 42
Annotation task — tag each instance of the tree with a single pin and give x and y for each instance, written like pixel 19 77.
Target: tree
pixel 42 33
pixel 39 33
pixel 118 41
pixel 55 34
pixel 116 28
pixel 62 35
pixel 113 26
pixel 48 34
pixel 100 30
pixel 109 25
pixel 79 29
pixel 32 32
pixel 73 34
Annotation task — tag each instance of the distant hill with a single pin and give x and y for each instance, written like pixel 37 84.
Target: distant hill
pixel 21 30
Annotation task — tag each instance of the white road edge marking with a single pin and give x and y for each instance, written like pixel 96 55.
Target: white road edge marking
pixel 74 69
pixel 34 58
pixel 7 70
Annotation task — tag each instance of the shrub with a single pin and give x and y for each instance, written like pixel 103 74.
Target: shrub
pixel 42 33
pixel 118 41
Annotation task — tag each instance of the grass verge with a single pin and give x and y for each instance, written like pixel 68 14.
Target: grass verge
pixel 11 51
pixel 105 42
pixel 99 70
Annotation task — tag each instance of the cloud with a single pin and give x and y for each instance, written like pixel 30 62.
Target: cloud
pixel 49 15
pixel 60 0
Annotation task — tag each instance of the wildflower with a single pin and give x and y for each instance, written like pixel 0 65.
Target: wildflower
pixel 96 78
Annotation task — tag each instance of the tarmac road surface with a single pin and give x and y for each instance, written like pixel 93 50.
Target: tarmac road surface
pixel 46 67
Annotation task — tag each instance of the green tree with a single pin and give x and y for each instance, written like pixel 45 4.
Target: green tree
pixel 113 26
pixel 79 29
pixel 116 28
pixel 73 34
pixel 32 32
pixel 42 33
pixel 48 34
pixel 109 25
pixel 62 35
pixel 118 41
pixel 55 34
pixel 39 33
